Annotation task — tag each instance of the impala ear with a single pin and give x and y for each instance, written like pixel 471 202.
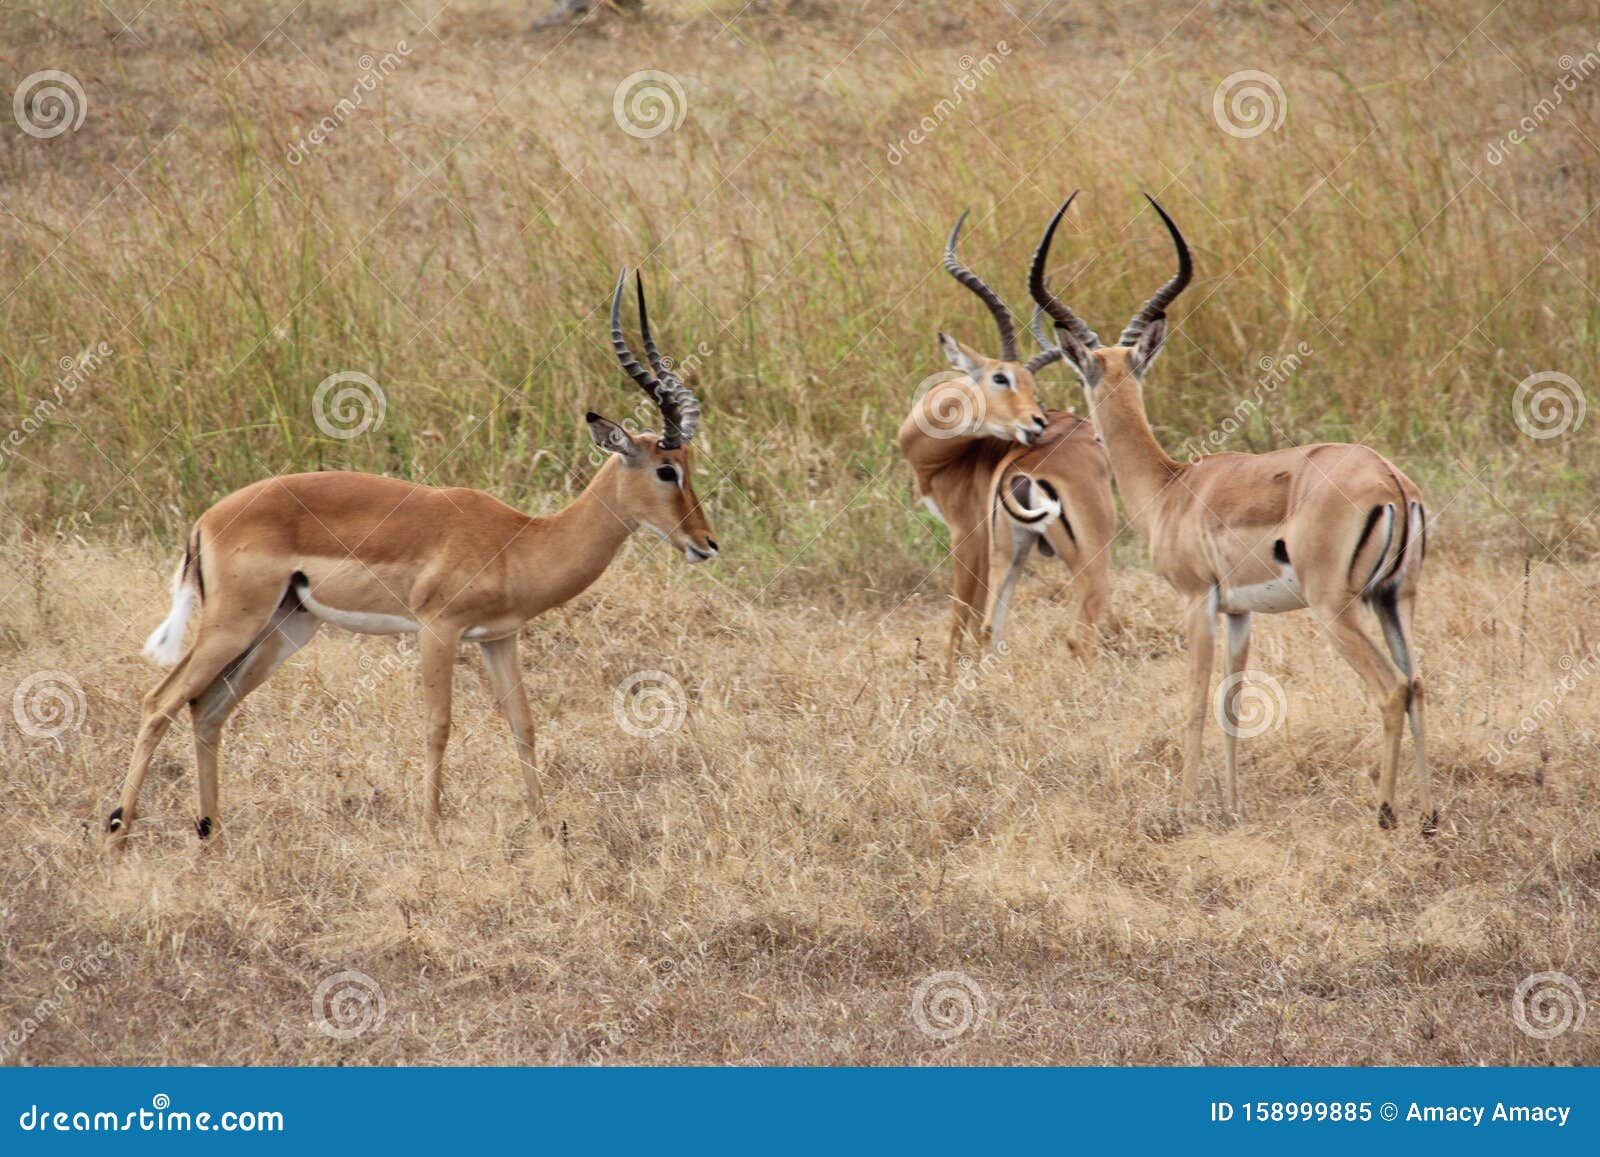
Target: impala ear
pixel 1079 356
pixel 609 436
pixel 1148 346
pixel 961 357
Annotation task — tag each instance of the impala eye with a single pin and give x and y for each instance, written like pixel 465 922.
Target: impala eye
pixel 1002 381
pixel 667 474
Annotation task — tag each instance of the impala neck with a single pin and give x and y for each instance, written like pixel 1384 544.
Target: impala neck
pixel 574 546
pixel 1142 469
pixel 928 455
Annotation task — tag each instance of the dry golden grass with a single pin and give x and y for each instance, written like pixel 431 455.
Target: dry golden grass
pixel 770 882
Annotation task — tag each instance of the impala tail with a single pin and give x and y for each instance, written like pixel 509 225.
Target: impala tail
pixel 164 647
pixel 1399 530
pixel 1029 501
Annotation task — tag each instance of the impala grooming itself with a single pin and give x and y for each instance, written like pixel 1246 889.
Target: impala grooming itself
pixel 1004 475
pixel 1333 527
pixel 271 563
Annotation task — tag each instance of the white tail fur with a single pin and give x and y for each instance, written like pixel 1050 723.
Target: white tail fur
pixel 165 644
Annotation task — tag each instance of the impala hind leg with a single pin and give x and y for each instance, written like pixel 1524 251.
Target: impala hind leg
pixel 1387 683
pixel 1237 657
pixel 290 629
pixel 1092 585
pixel 1200 629
pixel 505 681
pixel 1394 615
pixel 217 646
pixel 1006 557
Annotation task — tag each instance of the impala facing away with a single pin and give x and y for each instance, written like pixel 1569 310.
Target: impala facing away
pixel 1331 527
pixel 271 563
pixel 1004 474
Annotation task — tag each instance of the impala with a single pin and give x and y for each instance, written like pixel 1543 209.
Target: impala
pixel 1333 527
pixel 1005 475
pixel 269 564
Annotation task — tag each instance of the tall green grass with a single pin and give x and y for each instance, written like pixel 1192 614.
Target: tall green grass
pixel 458 235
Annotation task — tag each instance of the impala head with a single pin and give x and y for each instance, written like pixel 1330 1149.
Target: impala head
pixel 1108 370
pixel 653 470
pixel 1003 398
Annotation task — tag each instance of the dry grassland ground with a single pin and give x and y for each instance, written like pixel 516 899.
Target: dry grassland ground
pixel 771 881
pixel 826 824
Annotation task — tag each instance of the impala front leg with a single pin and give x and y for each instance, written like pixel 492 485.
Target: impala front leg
pixel 505 681
pixel 1238 654
pixel 438 668
pixel 1201 630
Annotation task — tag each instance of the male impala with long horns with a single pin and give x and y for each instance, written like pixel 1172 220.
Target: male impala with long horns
pixel 269 564
pixel 1333 527
pixel 1004 474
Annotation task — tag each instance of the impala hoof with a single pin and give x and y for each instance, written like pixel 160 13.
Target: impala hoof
pixel 1386 817
pixel 114 822
pixel 1430 823
pixel 202 826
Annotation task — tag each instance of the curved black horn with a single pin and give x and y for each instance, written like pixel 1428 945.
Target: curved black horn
pixel 685 416
pixel 1157 305
pixel 680 412
pixel 1049 351
pixel 1002 315
pixel 1048 301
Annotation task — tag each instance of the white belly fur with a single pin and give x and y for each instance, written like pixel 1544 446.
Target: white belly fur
pixel 1270 598
pixel 362 622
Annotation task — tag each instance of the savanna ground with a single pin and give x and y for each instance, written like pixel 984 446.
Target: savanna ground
pixel 827 824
